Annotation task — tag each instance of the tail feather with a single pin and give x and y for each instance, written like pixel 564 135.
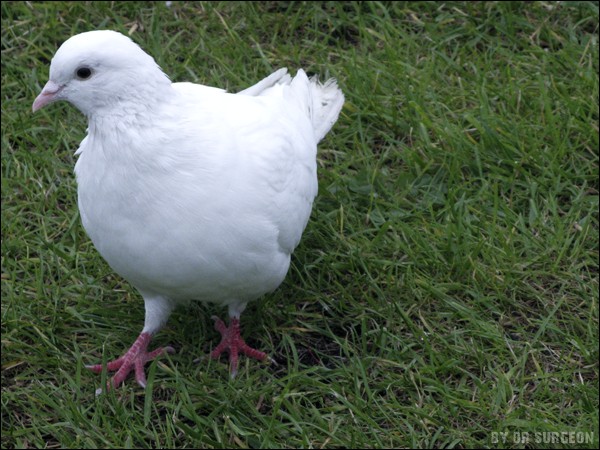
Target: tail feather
pixel 278 77
pixel 327 100
pixel 323 101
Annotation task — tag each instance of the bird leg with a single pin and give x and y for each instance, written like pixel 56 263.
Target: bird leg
pixel 134 359
pixel 232 341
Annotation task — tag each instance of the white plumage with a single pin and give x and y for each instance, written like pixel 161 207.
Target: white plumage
pixel 189 192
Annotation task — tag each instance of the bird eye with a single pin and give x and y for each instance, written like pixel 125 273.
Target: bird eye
pixel 83 73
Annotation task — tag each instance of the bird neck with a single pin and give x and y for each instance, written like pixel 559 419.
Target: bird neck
pixel 131 103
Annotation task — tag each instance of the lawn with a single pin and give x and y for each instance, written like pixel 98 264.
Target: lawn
pixel 445 292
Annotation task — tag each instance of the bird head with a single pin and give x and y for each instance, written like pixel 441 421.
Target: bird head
pixel 100 72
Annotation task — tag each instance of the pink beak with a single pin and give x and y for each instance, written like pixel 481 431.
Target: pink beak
pixel 48 95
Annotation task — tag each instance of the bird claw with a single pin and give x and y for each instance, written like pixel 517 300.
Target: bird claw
pixel 133 360
pixel 234 344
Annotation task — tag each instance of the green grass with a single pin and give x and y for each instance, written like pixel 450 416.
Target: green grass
pixel 446 287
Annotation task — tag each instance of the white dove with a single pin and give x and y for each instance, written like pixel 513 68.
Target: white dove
pixel 187 191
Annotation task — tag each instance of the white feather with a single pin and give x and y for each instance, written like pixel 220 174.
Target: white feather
pixel 187 191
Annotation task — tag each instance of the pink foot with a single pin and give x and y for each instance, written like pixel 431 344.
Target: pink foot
pixel 134 359
pixel 234 344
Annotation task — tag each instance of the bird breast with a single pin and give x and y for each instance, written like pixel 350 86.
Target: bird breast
pixel 198 211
